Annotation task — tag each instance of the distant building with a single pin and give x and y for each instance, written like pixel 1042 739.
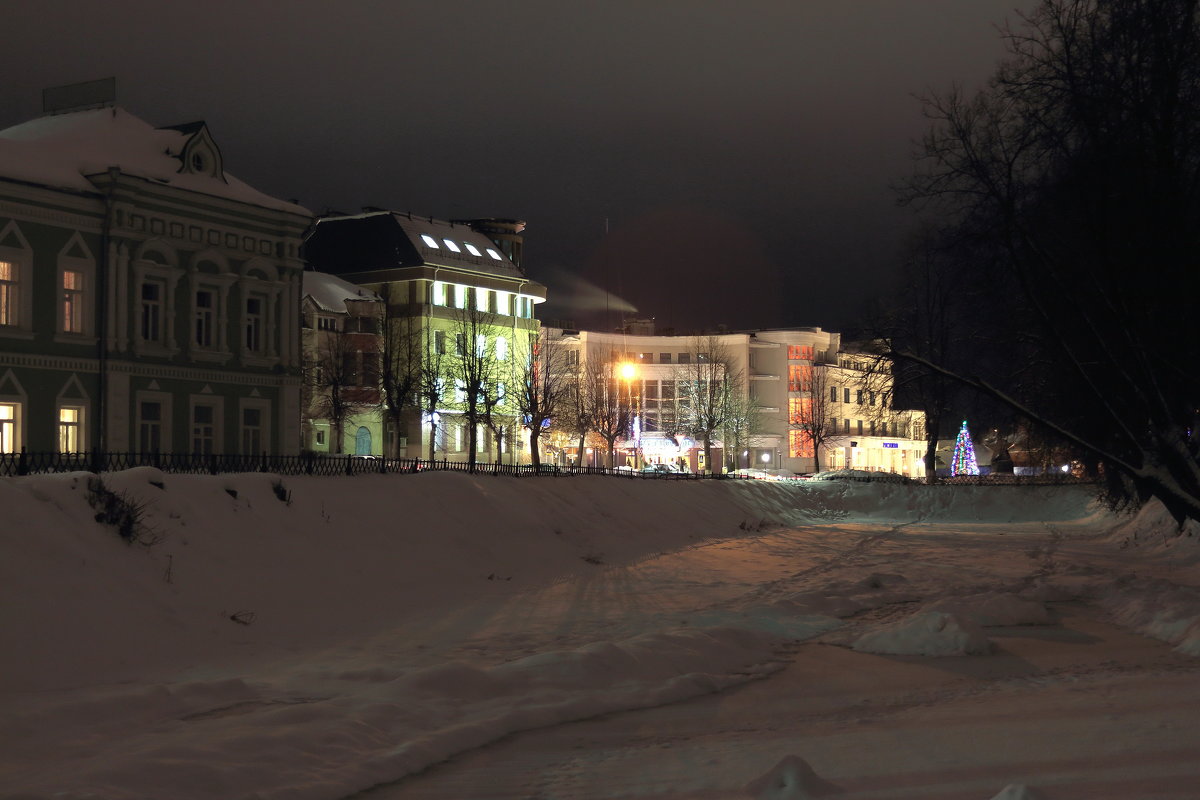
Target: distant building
pixel 342 343
pixel 149 300
pixel 784 385
pixel 438 278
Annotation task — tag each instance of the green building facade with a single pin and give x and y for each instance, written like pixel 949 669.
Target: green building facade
pixel 149 301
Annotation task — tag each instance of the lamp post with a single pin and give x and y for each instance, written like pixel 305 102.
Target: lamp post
pixel 628 374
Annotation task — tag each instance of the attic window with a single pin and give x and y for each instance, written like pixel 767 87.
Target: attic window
pixel 199 162
pixel 494 254
pixel 472 249
pixel 453 247
pixel 429 241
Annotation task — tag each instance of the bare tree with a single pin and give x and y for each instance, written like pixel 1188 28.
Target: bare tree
pixel 707 388
pixel 1077 168
pixel 542 387
pixel 607 400
pixel 432 379
pixel 401 358
pixel 473 368
pixel 813 419
pixel 745 417
pixel 345 380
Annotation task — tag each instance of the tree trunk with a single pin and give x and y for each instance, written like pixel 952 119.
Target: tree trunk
pixel 534 455
pixel 432 437
pixel 931 440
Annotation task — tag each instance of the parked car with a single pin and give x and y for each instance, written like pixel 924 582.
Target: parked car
pixel 660 469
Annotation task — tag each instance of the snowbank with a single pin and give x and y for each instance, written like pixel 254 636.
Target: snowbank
pixel 993 609
pixel 927 633
pixel 1159 609
pixel 248 635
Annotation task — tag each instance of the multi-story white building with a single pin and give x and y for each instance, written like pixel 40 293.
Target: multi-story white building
pixel 801 401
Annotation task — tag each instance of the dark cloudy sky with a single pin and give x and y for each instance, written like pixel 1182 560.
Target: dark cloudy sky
pixel 739 153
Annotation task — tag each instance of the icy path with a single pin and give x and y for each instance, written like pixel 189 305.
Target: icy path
pixel 1080 708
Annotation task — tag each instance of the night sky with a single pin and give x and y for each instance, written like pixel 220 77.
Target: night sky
pixel 705 162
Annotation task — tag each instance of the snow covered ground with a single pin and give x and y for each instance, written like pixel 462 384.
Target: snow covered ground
pixel 447 636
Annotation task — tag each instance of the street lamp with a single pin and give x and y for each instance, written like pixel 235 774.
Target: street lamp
pixel 628 372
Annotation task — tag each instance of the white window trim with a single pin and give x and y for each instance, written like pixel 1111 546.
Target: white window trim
pixel 218 420
pixel 87 298
pixel 262 405
pixel 220 352
pixel 81 425
pixel 17 422
pixel 22 258
pixel 169 277
pixel 164 401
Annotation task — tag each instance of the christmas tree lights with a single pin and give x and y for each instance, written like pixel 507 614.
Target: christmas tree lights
pixel 964 454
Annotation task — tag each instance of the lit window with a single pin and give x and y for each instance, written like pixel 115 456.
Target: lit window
pixel 72 301
pixel 8 293
pixel 494 254
pixel 452 246
pixel 460 296
pixel 9 415
pixel 481 299
pixel 439 293
pixel 480 345
pixel 503 304
pixel 501 348
pixel 472 249
pixel 429 241
pixel 70 429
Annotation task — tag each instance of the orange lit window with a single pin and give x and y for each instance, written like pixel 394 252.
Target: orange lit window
pixel 800 444
pixel 799 378
pixel 800 352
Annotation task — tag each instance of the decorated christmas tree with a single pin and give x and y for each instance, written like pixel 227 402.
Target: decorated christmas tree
pixel 964 454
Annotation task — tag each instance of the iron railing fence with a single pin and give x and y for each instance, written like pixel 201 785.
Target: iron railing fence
pixel 32 463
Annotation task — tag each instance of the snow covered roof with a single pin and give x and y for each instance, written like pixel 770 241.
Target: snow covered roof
pixel 331 293
pixel 387 239
pixel 62 150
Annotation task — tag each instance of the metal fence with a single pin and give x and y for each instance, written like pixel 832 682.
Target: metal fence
pixel 32 463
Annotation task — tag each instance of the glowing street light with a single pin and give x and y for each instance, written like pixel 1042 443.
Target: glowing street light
pixel 628 372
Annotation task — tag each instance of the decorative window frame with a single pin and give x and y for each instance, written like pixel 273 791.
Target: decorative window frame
pixel 13 393
pixel 259 404
pixel 218 405
pixel 88 297
pixel 22 257
pixel 164 400
pixel 169 275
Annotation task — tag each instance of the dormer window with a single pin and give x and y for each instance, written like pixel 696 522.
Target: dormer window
pixel 199 154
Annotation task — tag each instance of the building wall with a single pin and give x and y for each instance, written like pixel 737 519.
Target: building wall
pixel 774 370
pixel 135 356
